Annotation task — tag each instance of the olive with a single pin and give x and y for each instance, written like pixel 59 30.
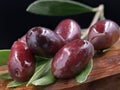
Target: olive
pixel 23 39
pixel 72 58
pixel 21 63
pixel 103 34
pixel 69 30
pixel 43 41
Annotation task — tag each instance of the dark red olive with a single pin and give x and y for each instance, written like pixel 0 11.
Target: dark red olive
pixel 23 39
pixel 72 58
pixel 43 41
pixel 21 63
pixel 69 30
pixel 103 34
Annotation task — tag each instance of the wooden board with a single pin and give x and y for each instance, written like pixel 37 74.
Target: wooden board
pixel 105 75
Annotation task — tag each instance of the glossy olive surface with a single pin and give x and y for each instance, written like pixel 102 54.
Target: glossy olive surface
pixel 103 34
pixel 23 39
pixel 69 30
pixel 21 63
pixel 43 41
pixel 72 58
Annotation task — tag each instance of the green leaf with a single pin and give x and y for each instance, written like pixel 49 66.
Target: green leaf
pixel 5 76
pixel 40 71
pixel 45 80
pixel 41 60
pixel 4 54
pixel 58 7
pixel 15 84
pixel 82 77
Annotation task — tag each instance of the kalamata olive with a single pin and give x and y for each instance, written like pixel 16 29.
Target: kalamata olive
pixel 103 34
pixel 43 41
pixel 21 63
pixel 69 30
pixel 72 58
pixel 23 39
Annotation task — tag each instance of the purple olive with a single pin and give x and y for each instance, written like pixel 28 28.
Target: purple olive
pixel 72 58
pixel 43 41
pixel 69 30
pixel 103 34
pixel 21 63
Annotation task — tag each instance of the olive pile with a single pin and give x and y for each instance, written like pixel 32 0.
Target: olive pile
pixel 70 53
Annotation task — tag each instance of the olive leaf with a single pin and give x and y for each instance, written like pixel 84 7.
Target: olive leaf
pixel 4 54
pixel 5 76
pixel 40 71
pixel 45 80
pixel 15 84
pixel 41 60
pixel 58 7
pixel 82 77
pixel 47 77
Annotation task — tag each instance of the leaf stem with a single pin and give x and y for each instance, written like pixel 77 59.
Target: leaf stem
pixel 98 15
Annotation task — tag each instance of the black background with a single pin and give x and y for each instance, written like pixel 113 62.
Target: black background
pixel 15 21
